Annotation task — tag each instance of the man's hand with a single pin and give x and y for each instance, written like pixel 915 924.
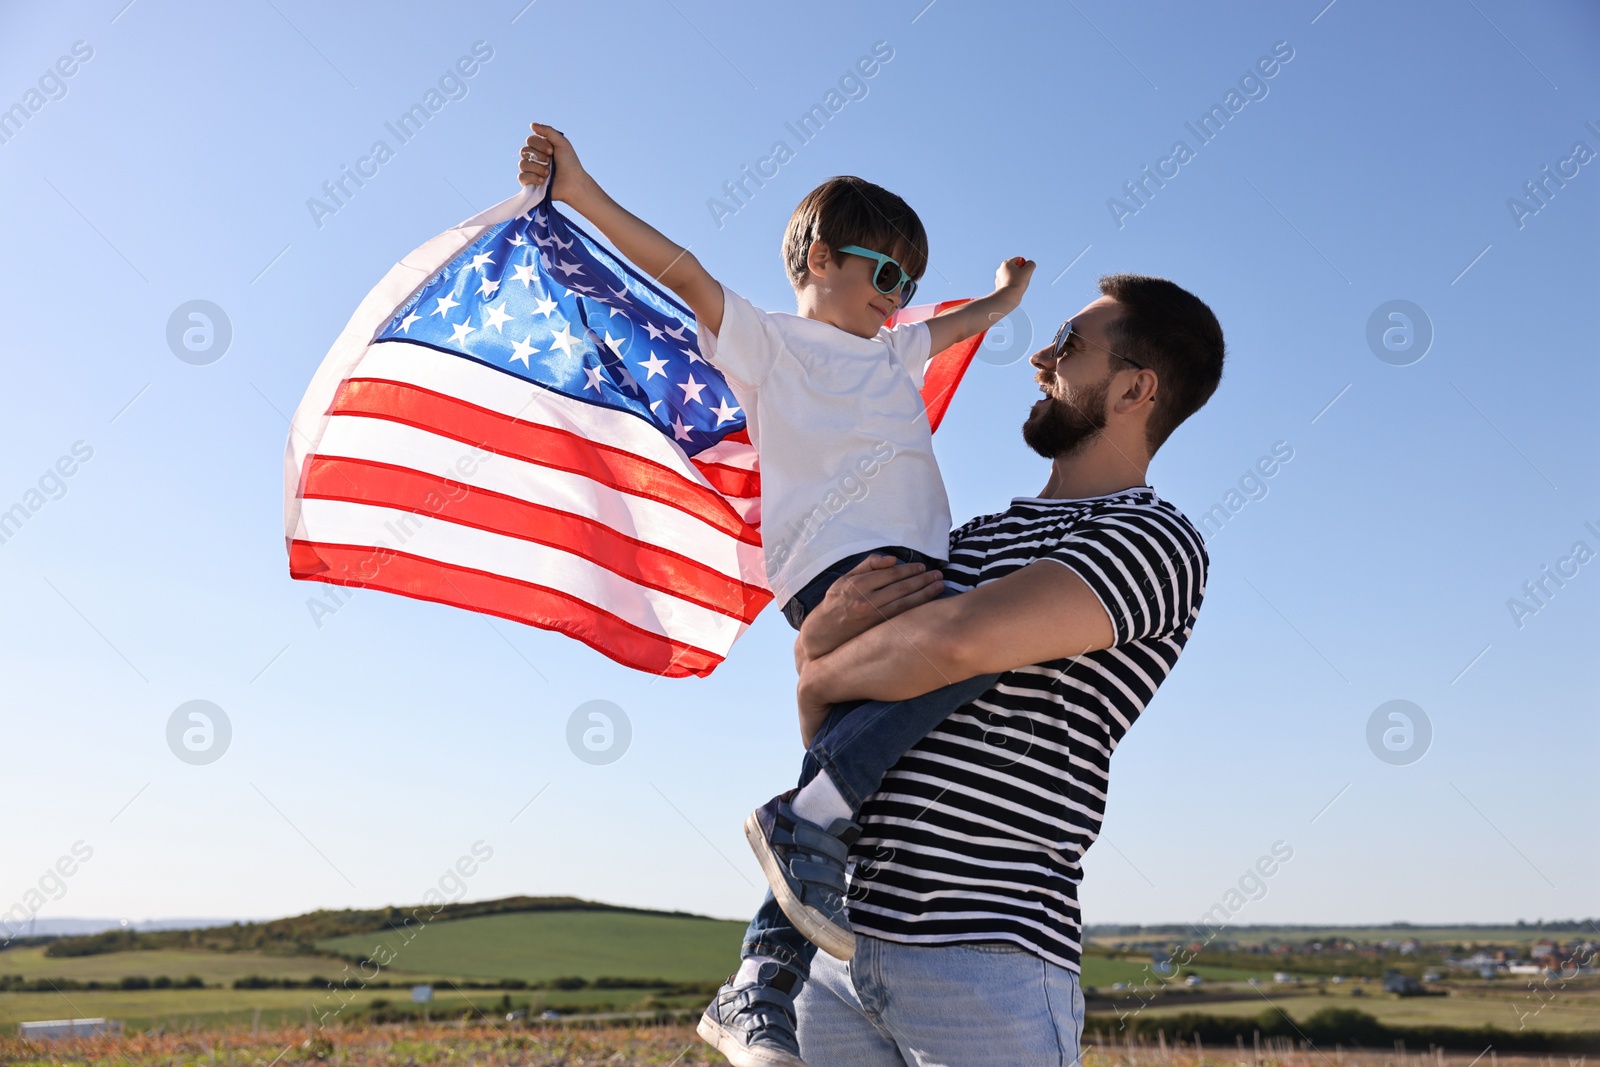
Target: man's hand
pixel 544 145
pixel 876 589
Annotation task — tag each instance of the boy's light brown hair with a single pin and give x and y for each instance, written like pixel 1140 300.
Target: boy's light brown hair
pixel 851 211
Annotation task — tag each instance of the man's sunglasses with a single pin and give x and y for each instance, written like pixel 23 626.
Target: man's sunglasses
pixel 1058 347
pixel 889 276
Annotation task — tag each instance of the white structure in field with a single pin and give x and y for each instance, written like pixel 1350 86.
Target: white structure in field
pixel 57 1029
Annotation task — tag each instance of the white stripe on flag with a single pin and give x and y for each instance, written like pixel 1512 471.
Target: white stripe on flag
pixel 382 441
pixel 341 522
pixel 507 394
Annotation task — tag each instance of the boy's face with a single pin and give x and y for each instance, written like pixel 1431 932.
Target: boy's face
pixel 841 292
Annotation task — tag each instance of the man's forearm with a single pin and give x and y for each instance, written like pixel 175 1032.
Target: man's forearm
pixel 903 657
pixel 1040 613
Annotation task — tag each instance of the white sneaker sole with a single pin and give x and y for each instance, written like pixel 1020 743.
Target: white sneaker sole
pixel 839 944
pixel 720 1038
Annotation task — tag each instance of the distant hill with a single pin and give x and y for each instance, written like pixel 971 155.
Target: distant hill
pixel 82 927
pixel 302 934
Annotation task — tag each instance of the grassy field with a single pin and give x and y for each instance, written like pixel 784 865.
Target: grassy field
pixel 671 1045
pixel 211 967
pixel 1255 935
pixel 1565 1013
pixel 1101 973
pixel 181 1009
pixel 538 946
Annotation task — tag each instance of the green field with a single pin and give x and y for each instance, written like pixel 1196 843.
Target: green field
pixel 553 941
pixel 1571 1011
pixel 211 967
pixel 537 946
pixel 1102 972
pixel 180 1008
pixel 1255 935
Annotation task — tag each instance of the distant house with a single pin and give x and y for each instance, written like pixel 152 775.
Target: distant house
pixel 1402 985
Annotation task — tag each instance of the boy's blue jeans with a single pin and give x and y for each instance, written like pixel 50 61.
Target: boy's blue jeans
pixel 856 746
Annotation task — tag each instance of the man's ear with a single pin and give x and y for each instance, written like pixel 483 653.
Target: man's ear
pixel 1140 391
pixel 819 257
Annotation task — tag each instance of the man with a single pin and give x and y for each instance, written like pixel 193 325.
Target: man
pixel 963 894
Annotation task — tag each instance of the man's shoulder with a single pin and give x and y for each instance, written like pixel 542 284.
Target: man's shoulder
pixel 1035 525
pixel 1137 503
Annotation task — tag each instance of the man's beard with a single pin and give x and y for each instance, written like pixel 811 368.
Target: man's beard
pixel 1063 426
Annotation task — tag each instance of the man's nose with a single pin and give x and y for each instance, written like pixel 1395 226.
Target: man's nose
pixel 1043 359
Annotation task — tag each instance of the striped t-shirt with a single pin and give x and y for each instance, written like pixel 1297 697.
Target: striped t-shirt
pixel 978 832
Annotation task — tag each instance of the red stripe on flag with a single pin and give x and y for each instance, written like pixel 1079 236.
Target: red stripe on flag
pixel 385 485
pixel 494 594
pixel 730 481
pixel 945 371
pixel 535 443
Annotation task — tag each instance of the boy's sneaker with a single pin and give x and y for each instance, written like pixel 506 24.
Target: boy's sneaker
pixel 753 1024
pixel 804 865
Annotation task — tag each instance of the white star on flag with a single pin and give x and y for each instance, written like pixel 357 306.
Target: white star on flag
pixel 544 307
pixel 627 377
pixel 445 304
pixel 461 330
pixel 655 366
pixel 405 323
pixel 497 317
pixel 522 350
pixel 479 260
pixel 564 340
pixel 680 432
pixel 488 286
pixel 723 412
pixel 692 390
pixel 593 374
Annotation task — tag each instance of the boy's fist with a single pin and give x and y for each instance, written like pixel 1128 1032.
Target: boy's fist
pixel 544 145
pixel 1014 275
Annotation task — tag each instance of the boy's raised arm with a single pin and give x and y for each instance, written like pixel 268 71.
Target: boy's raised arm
pixel 958 324
pixel 642 243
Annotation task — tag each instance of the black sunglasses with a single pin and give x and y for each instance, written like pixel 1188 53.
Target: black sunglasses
pixel 1064 334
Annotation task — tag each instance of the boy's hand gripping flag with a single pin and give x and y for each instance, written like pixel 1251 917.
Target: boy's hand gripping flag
pixel 516 422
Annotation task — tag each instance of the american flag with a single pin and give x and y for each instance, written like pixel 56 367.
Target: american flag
pixel 518 423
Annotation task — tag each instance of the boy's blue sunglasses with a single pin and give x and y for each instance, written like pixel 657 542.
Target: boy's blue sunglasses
pixel 889 276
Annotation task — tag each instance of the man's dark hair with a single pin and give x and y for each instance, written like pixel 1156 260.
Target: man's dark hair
pixel 1171 331
pixel 850 211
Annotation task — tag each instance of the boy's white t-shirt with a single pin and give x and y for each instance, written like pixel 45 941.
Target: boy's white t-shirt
pixel 845 449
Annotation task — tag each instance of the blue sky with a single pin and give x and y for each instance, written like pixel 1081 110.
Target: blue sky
pixel 370 752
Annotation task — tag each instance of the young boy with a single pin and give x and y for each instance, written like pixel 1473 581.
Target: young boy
pixel 832 403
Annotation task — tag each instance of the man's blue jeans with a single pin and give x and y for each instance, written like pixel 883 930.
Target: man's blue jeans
pixel 856 745
pixel 961 1005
